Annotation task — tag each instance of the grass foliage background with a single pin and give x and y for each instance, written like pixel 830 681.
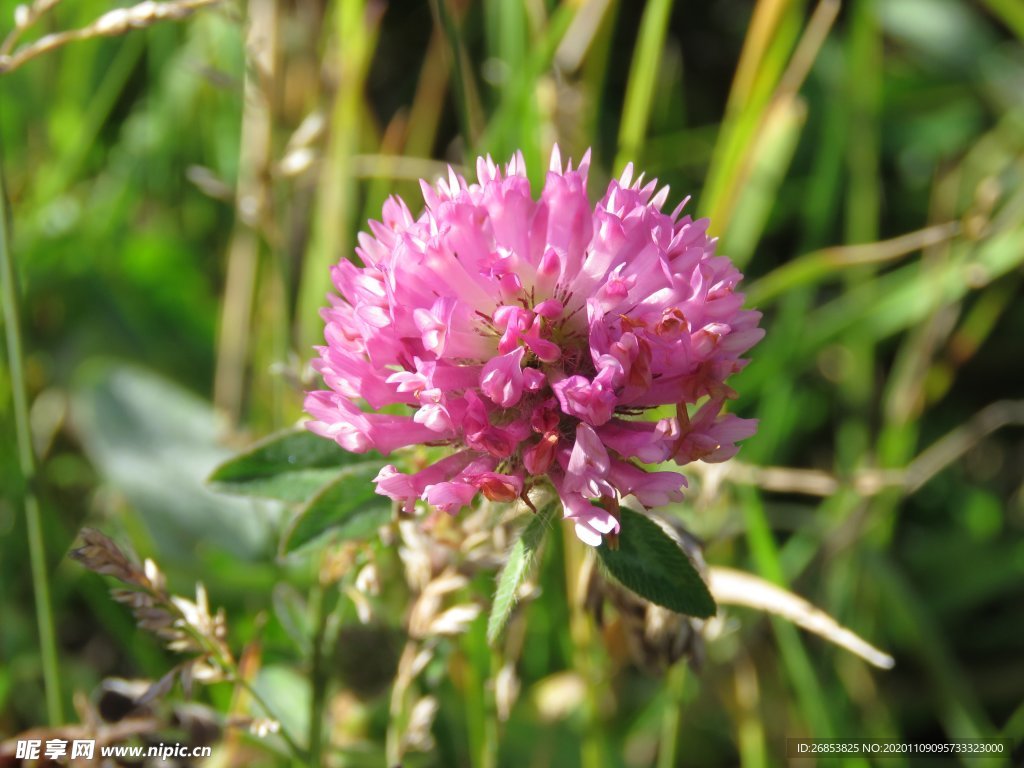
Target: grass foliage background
pixel 176 194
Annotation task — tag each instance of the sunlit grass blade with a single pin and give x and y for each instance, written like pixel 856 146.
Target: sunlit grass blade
pixel 895 301
pixel 767 44
pixel 501 137
pixel 643 74
pixel 799 669
pixel 738 588
pixel 754 98
pixel 769 161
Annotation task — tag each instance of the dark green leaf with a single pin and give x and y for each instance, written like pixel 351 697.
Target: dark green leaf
pixel 517 569
pixel 290 466
pixel 651 564
pixel 348 506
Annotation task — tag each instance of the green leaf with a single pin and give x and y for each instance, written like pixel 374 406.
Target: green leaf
pixel 348 506
pixel 651 564
pixel 156 443
pixel 517 569
pixel 290 466
pixel 287 696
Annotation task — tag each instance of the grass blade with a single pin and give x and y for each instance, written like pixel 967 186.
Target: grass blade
pixel 643 75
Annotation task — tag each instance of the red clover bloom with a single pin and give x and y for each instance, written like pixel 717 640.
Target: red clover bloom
pixel 532 336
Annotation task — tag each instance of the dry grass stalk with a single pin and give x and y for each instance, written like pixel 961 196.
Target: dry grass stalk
pixel 24 17
pixel 253 221
pixel 733 587
pixel 869 481
pixel 113 23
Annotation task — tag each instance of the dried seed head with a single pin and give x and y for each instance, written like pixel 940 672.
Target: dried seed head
pixel 418 736
pixel 186 626
pixel 100 554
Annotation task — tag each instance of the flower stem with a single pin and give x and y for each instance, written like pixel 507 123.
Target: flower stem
pixel 584 654
pixel 670 718
pixel 26 458
pixel 492 728
pixel 482 665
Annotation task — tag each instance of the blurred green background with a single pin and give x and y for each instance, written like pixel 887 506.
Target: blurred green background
pixel 176 194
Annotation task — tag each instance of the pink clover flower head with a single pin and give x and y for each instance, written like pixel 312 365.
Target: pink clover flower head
pixel 531 336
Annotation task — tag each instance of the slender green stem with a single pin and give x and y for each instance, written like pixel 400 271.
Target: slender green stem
pixel 482 666
pixel 489 752
pixel 482 743
pixel 26 458
pixel 671 716
pixel 584 657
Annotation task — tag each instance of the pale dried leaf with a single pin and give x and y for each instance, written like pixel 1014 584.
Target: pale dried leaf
pixel 731 587
pixel 455 621
pixel 506 690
